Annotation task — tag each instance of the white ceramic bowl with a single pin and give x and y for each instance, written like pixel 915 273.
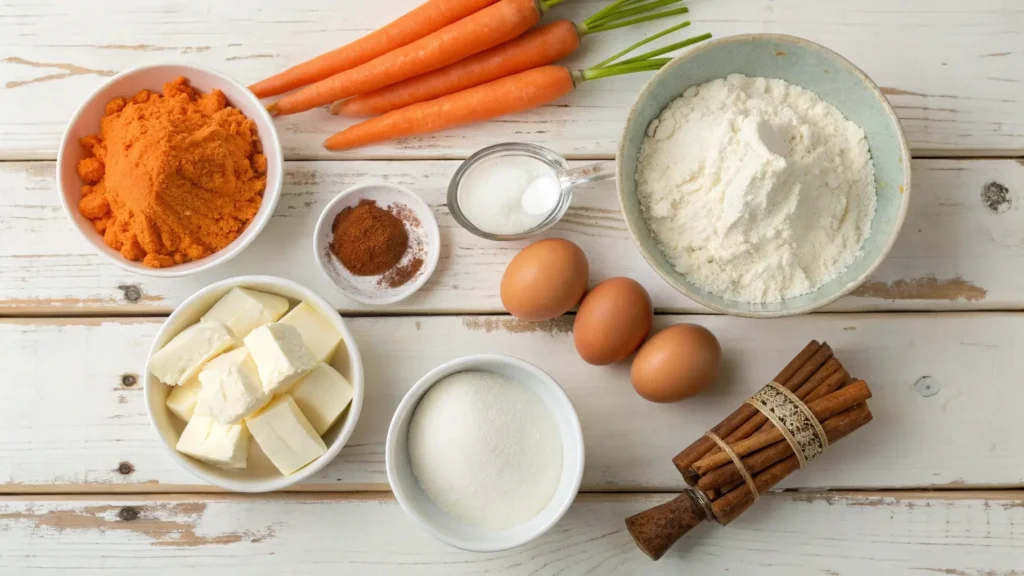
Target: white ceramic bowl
pixel 86 121
pixel 438 523
pixel 260 475
pixel 364 288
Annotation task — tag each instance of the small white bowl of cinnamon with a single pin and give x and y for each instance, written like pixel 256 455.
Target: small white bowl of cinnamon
pixel 377 243
pixel 170 169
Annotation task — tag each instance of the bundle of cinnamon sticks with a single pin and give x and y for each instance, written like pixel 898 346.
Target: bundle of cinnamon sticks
pixel 765 453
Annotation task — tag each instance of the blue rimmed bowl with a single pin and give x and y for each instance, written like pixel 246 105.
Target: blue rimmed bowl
pixel 804 64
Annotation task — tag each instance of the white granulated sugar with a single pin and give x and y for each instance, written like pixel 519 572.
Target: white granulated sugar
pixel 755 189
pixel 486 449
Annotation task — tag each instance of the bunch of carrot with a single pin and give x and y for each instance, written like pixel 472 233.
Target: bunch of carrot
pixel 452 62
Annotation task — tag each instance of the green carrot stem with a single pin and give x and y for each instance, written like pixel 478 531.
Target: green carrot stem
pixel 584 30
pixel 666 49
pixel 606 10
pixel 622 24
pixel 632 10
pixel 617 70
pixel 642 42
pixel 549 4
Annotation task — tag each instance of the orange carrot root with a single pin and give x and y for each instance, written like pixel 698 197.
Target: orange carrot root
pixel 508 95
pixel 475 33
pixel 544 45
pixel 426 19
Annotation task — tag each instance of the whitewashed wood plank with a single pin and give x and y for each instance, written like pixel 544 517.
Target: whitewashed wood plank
pixel 954 252
pixel 946 405
pixel 954 72
pixel 785 534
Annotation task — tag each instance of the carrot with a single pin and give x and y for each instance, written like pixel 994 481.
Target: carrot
pixel 537 47
pixel 477 32
pixel 508 95
pixel 423 20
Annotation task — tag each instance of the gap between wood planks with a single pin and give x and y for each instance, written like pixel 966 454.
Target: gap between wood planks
pixel 217 495
pixel 966 155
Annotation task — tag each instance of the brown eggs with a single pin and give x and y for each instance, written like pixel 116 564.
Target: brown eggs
pixel 676 363
pixel 612 321
pixel 545 280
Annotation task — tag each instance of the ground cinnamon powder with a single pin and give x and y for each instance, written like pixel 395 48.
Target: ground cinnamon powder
pixel 368 239
pixel 172 177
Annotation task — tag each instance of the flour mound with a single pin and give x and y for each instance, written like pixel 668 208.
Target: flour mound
pixel 755 189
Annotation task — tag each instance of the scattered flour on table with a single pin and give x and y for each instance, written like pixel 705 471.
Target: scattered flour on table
pixel 755 189
pixel 486 449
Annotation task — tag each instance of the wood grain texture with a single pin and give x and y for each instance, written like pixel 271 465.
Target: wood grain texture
pixel 943 387
pixel 953 72
pixel 955 252
pixel 785 534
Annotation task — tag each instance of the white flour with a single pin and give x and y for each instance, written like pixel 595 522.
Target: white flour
pixel 756 189
pixel 486 449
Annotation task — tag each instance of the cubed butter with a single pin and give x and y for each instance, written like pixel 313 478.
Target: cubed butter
pixel 231 387
pixel 222 445
pixel 322 395
pixel 182 358
pixel 285 435
pixel 182 399
pixel 317 332
pixel 280 356
pixel 243 310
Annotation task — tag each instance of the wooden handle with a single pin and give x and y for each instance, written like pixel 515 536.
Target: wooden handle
pixel 657 529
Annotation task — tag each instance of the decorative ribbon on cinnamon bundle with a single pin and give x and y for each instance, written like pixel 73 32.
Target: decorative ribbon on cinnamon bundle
pixel 811 404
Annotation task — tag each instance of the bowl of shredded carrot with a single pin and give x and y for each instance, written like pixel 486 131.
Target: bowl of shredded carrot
pixel 168 170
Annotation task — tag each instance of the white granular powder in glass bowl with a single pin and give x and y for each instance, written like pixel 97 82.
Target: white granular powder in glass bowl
pixel 486 449
pixel 755 189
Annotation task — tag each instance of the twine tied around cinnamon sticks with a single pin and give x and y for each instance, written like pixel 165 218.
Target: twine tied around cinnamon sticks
pixel 812 403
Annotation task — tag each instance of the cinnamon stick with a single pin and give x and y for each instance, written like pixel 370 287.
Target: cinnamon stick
pixel 729 506
pixel 726 489
pixel 822 409
pixel 830 367
pixel 703 445
pixel 834 427
pixel 757 420
pixel 834 382
pixel 830 384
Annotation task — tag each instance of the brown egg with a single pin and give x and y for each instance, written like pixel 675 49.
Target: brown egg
pixel 676 363
pixel 613 320
pixel 545 280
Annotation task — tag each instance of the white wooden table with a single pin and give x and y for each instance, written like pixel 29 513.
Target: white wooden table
pixel 931 487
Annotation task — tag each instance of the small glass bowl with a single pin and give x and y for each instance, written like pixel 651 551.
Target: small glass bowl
pixel 567 180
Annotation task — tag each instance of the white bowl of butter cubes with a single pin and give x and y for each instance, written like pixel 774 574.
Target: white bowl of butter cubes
pixel 254 383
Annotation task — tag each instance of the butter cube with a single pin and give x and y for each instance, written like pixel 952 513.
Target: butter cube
pixel 243 310
pixel 231 387
pixel 281 357
pixel 322 395
pixel 222 445
pixel 285 435
pixel 182 358
pixel 317 332
pixel 182 399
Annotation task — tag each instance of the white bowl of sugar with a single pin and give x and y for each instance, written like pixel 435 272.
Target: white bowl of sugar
pixel 458 472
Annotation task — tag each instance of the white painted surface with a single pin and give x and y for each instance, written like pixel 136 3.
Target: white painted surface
pixel 72 423
pixel 785 535
pixel 954 252
pixel 953 71
pixel 946 386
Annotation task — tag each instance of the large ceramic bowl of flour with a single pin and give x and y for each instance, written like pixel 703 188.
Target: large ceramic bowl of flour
pixel 763 280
